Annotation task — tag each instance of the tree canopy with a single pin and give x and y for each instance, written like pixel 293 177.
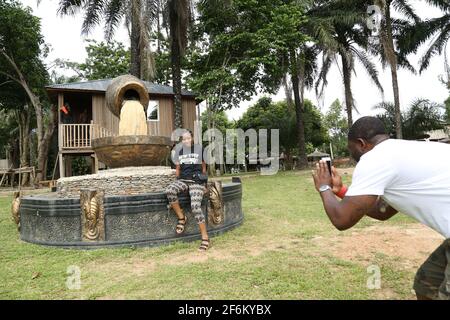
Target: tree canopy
pixel 104 60
pixel 266 114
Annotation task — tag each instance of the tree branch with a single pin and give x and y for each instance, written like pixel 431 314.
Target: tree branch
pixel 10 76
pixel 9 81
pixel 12 63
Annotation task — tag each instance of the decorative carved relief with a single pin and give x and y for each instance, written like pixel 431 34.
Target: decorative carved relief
pixel 15 209
pixel 215 203
pixel 92 215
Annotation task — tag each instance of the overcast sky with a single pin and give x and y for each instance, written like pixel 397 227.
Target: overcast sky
pixel 63 34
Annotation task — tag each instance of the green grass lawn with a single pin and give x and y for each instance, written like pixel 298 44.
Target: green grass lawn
pixel 273 255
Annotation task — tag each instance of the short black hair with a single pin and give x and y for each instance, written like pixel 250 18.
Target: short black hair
pixel 366 128
pixel 188 131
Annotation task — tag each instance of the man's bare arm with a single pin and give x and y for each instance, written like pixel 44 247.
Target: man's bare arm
pixel 381 211
pixel 346 213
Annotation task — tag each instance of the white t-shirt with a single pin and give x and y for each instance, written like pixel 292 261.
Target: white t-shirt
pixel 411 176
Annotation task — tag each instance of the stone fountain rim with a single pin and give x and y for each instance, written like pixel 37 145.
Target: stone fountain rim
pixel 131 140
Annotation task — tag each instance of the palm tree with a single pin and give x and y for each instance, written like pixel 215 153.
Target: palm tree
pixel 390 30
pixel 179 13
pixel 302 71
pixel 139 17
pixel 387 116
pixel 437 30
pixel 338 29
pixel 423 115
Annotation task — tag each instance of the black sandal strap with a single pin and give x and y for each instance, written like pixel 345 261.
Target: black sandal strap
pixel 204 244
pixel 181 225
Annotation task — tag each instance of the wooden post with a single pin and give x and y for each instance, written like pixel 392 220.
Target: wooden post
pixel 5 175
pixel 20 179
pixel 61 166
pixel 95 163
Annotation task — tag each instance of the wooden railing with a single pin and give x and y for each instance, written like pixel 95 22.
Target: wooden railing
pixel 79 136
pixel 101 132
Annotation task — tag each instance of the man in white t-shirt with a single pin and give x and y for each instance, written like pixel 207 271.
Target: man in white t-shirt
pixel 393 176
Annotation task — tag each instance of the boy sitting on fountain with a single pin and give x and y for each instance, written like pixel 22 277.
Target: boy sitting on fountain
pixel 190 173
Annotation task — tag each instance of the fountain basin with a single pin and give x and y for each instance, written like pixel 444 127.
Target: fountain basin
pixel 135 220
pixel 132 151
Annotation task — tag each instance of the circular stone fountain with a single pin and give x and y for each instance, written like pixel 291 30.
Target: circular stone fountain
pixel 125 205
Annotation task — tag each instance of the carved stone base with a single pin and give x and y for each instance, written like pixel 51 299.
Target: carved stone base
pixel 92 215
pixel 215 203
pixel 129 220
pixel 15 209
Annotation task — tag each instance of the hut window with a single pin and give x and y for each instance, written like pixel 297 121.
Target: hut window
pixel 153 110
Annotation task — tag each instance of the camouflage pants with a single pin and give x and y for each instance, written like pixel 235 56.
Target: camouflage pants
pixel 433 277
pixel 196 192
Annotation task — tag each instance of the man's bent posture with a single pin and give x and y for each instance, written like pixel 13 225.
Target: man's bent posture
pixel 395 175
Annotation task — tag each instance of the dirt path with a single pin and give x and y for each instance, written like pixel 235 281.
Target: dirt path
pixel 410 244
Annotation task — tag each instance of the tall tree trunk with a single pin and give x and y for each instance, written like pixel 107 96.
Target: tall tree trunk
pixel 158 26
pixel 288 91
pixel 23 120
pixel 302 158
pixel 45 144
pixel 210 125
pixel 347 72
pixel 135 68
pixel 392 59
pixel 176 69
pixel 38 109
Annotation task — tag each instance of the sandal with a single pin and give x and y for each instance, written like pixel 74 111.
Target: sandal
pixel 204 245
pixel 181 225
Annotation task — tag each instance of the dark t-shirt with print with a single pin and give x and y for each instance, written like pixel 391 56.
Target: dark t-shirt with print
pixel 190 160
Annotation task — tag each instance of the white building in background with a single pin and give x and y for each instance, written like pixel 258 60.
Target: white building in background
pixel 442 135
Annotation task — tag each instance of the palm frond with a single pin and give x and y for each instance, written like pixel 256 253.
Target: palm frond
pixel 369 66
pixel 405 9
pixel 327 59
pixel 444 5
pixel 404 63
pixel 309 54
pixel 114 13
pixel 94 10
pixel 435 48
pixel 70 7
pixel 414 36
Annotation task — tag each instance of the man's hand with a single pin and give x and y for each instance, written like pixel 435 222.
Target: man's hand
pixel 321 175
pixel 336 180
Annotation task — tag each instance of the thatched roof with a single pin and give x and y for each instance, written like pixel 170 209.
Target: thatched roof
pixel 318 154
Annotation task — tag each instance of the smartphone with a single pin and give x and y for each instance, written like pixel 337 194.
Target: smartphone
pixel 328 160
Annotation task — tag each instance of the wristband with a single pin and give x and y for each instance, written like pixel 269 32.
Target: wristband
pixel 342 192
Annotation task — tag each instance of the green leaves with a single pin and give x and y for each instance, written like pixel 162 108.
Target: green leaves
pixel 244 48
pixel 22 44
pixel 104 60
pixel 421 116
pixel 266 114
